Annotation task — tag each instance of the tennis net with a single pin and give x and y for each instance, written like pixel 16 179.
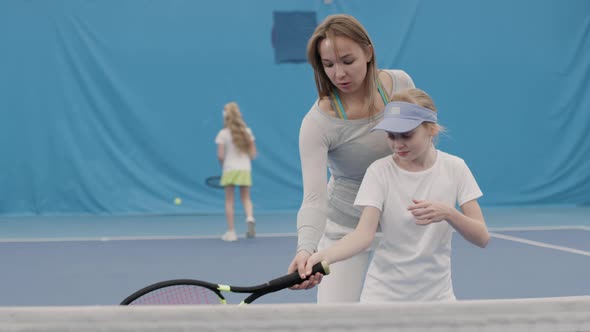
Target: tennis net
pixel 543 314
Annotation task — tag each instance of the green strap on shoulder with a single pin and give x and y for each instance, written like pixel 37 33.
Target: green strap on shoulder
pixel 337 104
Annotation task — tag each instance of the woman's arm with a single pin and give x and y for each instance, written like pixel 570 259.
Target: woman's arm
pixel 311 218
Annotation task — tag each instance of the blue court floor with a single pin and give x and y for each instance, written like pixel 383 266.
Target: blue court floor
pixel 99 260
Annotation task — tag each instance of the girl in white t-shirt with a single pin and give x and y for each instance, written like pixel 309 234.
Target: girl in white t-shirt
pixel 235 150
pixel 412 195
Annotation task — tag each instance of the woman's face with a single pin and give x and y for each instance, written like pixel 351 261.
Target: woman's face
pixel 344 62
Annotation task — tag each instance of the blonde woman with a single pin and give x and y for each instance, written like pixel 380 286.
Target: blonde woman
pixel 235 151
pixel 336 135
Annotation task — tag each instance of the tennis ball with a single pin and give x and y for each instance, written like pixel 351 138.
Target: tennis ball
pixel 177 201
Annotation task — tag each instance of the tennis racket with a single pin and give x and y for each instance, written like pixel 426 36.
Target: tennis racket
pixel 214 182
pixel 188 291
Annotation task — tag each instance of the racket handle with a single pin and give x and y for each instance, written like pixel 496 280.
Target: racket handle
pixel 294 278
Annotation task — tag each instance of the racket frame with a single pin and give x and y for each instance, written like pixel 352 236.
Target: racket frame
pixel 214 182
pixel 257 291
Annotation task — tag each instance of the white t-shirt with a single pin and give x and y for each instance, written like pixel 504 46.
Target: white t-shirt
pixel 413 262
pixel 234 160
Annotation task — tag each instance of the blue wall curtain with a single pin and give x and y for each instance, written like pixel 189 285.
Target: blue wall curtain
pixel 112 107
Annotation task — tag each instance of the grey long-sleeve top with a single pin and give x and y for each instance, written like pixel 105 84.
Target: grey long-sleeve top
pixel 346 148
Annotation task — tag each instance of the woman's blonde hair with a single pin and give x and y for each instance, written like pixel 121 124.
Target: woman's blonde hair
pixel 342 25
pixel 420 98
pixel 232 119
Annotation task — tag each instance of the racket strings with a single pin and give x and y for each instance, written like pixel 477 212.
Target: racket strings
pixel 180 294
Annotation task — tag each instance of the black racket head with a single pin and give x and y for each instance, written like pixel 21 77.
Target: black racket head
pixel 214 182
pixel 172 292
pixel 190 291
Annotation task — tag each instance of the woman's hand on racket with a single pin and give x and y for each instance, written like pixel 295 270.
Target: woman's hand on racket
pixel 299 264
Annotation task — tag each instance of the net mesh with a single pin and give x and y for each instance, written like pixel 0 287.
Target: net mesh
pixel 548 314
pixel 179 294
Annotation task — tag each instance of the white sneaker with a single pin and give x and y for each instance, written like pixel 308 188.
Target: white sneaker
pixel 251 228
pixel 229 236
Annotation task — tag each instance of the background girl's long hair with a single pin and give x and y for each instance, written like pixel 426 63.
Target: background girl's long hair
pixel 232 119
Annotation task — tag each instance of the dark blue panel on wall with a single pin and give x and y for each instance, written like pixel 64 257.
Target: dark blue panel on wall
pixel 290 33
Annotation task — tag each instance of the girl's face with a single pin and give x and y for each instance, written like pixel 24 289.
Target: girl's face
pixel 412 146
pixel 344 62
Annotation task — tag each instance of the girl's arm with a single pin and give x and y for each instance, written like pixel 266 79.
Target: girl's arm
pixel 220 153
pixel 469 222
pixel 351 244
pixel 253 150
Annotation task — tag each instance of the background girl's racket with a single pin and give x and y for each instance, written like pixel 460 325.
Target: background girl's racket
pixel 188 291
pixel 214 182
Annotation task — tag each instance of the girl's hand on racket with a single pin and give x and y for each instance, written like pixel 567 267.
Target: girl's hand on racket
pixel 299 264
pixel 428 212
pixel 311 261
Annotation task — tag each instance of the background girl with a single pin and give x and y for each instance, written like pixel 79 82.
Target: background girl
pixel 235 150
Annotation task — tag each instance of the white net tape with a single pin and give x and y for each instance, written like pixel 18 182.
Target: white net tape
pixel 546 314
